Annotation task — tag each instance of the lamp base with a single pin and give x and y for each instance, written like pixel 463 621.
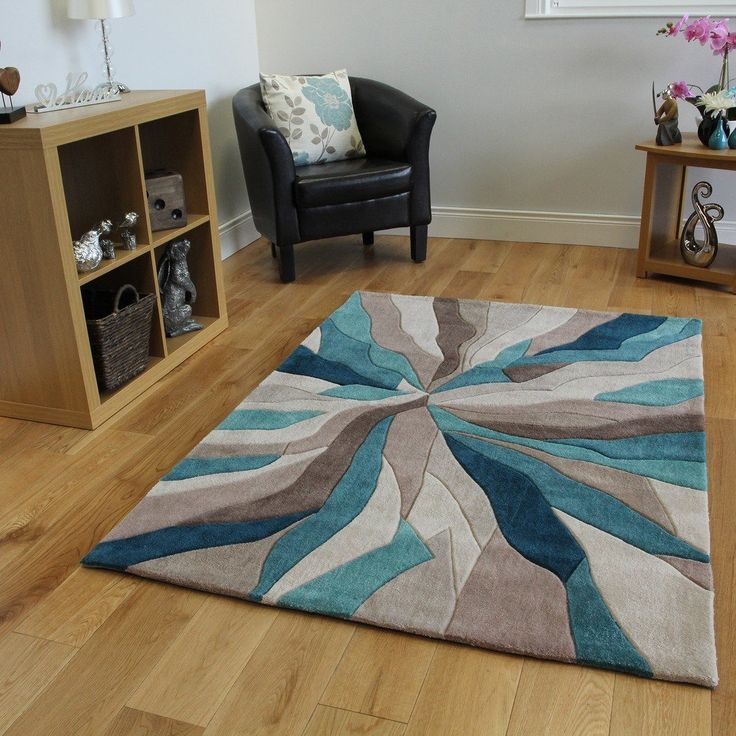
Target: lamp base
pixel 117 87
pixel 11 114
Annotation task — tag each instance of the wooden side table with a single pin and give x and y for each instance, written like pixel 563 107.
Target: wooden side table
pixel 665 205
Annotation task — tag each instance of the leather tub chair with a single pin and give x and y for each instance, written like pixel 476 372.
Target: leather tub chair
pixel 388 188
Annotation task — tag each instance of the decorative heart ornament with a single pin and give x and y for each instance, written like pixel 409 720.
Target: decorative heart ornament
pixel 9 80
pixel 46 94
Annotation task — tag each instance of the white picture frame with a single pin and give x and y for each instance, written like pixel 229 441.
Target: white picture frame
pixel 546 9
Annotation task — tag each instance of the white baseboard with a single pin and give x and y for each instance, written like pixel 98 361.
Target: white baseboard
pixel 525 226
pixel 529 226
pixel 237 233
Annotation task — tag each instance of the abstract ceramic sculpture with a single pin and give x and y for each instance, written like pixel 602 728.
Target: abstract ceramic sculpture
pixel 693 252
pixel 178 291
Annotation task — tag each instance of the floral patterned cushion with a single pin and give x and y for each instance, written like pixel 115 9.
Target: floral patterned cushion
pixel 315 114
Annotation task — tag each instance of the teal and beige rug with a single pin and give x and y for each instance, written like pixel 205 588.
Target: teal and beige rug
pixel 527 479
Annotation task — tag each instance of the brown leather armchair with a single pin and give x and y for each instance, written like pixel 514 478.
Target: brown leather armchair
pixel 388 188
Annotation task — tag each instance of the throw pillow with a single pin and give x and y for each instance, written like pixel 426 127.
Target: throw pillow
pixel 315 115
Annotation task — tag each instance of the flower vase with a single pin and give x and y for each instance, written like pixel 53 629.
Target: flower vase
pixel 719 138
pixel 732 139
pixel 708 125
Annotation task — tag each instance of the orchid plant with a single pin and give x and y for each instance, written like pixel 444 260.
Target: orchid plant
pixel 720 99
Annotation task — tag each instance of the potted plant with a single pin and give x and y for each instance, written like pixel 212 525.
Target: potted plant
pixel 717 103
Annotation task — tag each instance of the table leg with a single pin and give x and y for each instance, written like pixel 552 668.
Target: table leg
pixel 661 211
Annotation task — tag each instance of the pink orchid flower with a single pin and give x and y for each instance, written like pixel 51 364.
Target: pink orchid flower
pixel 675 28
pixel 699 30
pixel 719 36
pixel 680 90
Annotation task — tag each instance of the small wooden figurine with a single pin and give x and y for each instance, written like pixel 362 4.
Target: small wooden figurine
pixel 9 83
pixel 666 118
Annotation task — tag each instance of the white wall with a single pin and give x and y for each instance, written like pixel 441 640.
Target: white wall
pixel 537 120
pixel 168 44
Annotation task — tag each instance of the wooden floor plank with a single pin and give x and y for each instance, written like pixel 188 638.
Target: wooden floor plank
pixel 468 692
pixel 131 722
pixel 191 680
pixel 89 692
pixel 562 699
pixel 74 610
pixel 27 665
pixel 328 721
pixel 722 480
pixel 280 686
pixel 380 674
pixel 655 708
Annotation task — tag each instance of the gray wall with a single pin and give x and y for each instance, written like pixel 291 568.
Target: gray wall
pixel 537 120
pixel 168 44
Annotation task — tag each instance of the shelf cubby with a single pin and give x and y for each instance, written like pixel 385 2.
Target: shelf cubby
pixel 174 143
pixel 102 180
pixel 206 309
pixel 139 273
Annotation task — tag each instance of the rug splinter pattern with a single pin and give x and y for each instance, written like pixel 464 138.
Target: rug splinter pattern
pixel 522 478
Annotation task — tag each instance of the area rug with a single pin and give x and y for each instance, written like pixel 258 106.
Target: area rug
pixel 523 478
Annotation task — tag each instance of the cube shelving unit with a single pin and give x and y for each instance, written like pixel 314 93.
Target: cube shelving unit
pixel 61 173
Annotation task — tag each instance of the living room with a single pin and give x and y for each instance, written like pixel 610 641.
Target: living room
pixel 480 254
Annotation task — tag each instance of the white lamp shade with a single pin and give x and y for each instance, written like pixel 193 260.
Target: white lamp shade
pixel 98 9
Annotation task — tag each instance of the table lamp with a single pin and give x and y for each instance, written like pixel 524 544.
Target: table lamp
pixel 102 10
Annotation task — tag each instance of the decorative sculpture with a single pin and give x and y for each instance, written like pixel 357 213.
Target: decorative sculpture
pixel 75 94
pixel 666 118
pixel 178 292
pixel 88 250
pixel 9 83
pixel 127 234
pixel 108 247
pixel 693 252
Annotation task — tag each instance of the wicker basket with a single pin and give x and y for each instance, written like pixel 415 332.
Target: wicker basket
pixel 119 335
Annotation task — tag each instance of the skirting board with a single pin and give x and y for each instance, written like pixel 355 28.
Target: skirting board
pixel 237 233
pixel 525 226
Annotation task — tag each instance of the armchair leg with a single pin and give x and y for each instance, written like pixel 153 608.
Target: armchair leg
pixel 418 243
pixel 274 254
pixel 368 238
pixel 287 271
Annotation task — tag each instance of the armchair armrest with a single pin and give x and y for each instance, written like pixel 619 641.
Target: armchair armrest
pixel 397 127
pixel 392 124
pixel 268 166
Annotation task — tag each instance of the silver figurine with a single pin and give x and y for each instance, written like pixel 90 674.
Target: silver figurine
pixel 693 252
pixel 127 232
pixel 178 291
pixel 88 250
pixel 107 245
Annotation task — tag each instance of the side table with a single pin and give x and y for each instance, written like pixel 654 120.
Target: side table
pixel 666 204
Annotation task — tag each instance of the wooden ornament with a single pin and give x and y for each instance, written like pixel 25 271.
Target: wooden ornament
pixel 9 80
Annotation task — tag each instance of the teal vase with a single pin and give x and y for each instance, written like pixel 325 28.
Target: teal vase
pixel 732 139
pixel 718 139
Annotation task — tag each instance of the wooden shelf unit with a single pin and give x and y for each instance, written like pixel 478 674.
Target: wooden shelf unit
pixel 664 207
pixel 60 173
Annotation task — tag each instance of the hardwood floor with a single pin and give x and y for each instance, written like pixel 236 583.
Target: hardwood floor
pixel 99 653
